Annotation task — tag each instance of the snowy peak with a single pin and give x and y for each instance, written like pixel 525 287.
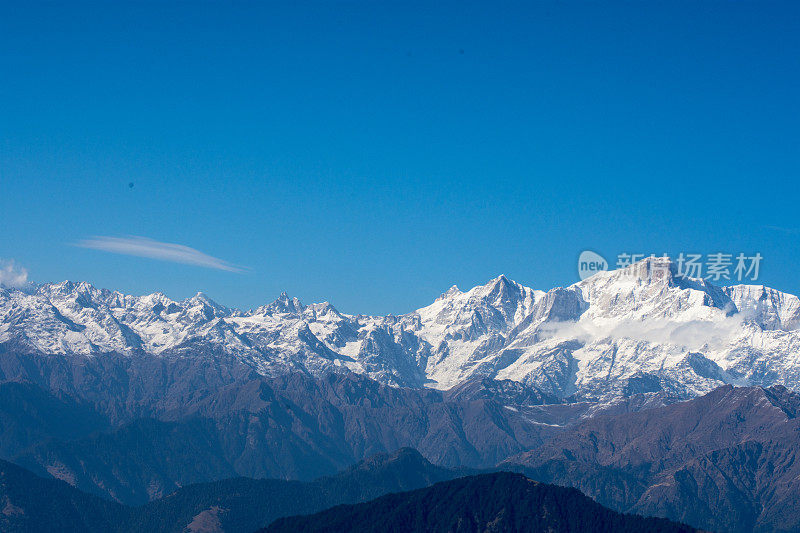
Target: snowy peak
pixel 652 289
pixel 506 296
pixel 450 293
pixel 770 309
pixel 640 329
pixel 494 307
pixel 646 329
pixel 321 310
pixel 201 306
pixel 286 305
pixel 465 329
pixel 650 270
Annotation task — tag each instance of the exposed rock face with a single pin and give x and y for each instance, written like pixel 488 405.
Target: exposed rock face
pixel 31 503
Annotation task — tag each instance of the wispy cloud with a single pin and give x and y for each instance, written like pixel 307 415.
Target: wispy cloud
pixel 11 274
pixel 782 229
pixel 164 251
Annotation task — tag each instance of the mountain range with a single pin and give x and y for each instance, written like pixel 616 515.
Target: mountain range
pixel 649 392
pixel 242 505
pixel 640 329
pixel 488 502
pixel 725 461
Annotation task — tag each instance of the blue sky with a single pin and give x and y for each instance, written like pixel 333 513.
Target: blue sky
pixel 373 154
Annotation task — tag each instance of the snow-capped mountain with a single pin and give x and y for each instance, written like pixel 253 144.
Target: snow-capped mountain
pixel 640 329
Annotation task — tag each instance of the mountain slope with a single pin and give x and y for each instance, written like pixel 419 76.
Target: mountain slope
pixel 32 503
pixel 725 461
pixel 244 505
pixel 489 502
pixel 165 422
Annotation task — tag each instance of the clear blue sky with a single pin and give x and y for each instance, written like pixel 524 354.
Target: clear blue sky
pixel 373 154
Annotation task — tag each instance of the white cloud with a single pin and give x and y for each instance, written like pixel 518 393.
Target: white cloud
pixel 164 251
pixel 784 229
pixel 11 274
pixel 695 335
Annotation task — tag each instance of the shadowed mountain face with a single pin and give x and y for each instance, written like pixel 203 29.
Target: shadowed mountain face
pixel 725 461
pixel 488 502
pixel 499 502
pixel 136 429
pixel 244 505
pixel 32 503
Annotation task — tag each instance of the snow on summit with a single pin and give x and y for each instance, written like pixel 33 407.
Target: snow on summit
pixel 640 329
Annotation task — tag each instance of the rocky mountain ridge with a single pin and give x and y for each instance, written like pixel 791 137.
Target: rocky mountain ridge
pixel 640 329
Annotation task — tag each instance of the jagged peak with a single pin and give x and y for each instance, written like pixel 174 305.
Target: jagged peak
pixel 66 288
pixel 284 304
pixel 651 269
pixel 207 307
pixel 757 292
pixel 29 287
pixel 449 293
pixel 770 308
pixel 202 298
pixel 500 283
pixel 59 286
pixel 322 308
pixel 502 279
pixel 654 270
pixel 500 288
pixel 652 284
